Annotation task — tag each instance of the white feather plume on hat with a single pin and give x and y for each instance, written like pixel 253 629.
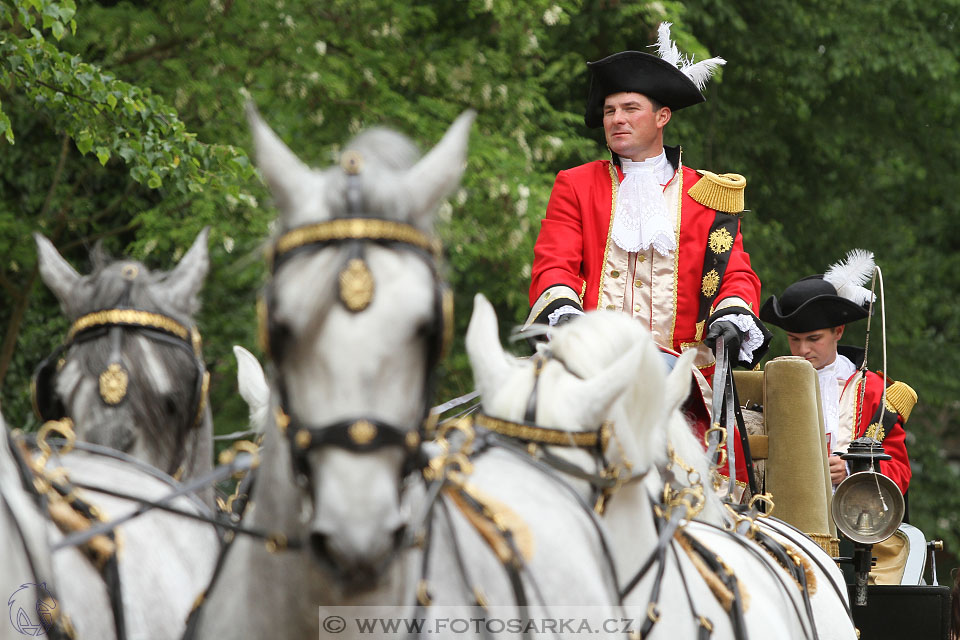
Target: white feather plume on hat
pixel 850 274
pixel 699 72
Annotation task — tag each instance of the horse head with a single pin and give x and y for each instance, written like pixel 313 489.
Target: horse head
pixel 130 373
pixel 603 367
pixel 355 319
pixel 651 421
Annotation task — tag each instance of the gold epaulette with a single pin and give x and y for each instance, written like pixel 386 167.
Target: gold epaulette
pixel 723 192
pixel 901 398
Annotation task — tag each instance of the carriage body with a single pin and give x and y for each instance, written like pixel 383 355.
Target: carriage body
pixel 785 422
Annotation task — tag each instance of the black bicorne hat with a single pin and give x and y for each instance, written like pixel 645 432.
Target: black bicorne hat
pixel 642 73
pixel 811 304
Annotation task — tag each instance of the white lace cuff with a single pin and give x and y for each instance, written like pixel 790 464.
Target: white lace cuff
pixel 565 310
pixel 747 325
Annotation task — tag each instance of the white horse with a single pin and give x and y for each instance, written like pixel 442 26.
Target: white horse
pixel 355 324
pixel 163 560
pixel 647 418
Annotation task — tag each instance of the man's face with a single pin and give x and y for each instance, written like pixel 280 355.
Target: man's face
pixel 632 127
pixel 818 347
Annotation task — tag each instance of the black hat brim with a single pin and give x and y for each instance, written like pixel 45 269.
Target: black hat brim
pixel 819 312
pixel 638 72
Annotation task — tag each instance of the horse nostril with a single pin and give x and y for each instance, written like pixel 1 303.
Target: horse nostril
pixel 318 545
pixel 398 535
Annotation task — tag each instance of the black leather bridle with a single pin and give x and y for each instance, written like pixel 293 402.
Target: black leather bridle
pixel 354 231
pixel 111 323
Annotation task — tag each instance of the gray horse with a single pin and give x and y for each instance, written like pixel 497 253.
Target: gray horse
pixel 131 375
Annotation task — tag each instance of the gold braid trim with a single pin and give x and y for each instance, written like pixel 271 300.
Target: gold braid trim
pixel 723 192
pixel 901 398
pixel 826 542
pixel 355 229
pixel 720 591
pixel 493 522
pixel 134 318
pixel 541 435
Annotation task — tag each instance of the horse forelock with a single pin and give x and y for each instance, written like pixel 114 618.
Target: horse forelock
pixel 111 286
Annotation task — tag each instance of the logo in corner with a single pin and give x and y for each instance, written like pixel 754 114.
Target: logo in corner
pixel 32 609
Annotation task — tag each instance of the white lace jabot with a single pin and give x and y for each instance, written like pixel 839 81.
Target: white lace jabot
pixel 641 219
pixel 832 377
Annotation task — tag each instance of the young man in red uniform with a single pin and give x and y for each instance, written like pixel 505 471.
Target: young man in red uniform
pixel 813 312
pixel 644 234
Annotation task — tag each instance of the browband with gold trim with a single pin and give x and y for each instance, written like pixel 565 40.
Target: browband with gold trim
pixel 354 229
pixel 545 435
pixel 135 318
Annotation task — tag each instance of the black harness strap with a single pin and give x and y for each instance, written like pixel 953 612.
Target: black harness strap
pixel 729 580
pixel 706 626
pixel 742 430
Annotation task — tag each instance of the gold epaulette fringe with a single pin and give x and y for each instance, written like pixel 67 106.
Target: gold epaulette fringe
pixel 723 192
pixel 901 398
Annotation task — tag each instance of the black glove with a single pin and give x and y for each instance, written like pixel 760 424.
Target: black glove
pixel 732 338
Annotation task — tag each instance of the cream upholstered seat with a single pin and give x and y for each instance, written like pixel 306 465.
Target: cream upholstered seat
pixel 792 445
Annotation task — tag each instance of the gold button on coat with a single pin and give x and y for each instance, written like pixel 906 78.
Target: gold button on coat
pixel 641 258
pixel 611 307
pixel 637 284
pixel 614 274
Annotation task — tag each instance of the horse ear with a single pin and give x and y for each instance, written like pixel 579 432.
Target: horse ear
pixel 283 171
pixel 182 285
pixel 600 391
pixel 98 256
pixel 62 279
pixel 253 387
pixel 438 173
pixel 678 380
pixel 490 363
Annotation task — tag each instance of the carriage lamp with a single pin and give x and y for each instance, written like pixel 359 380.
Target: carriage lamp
pixel 867 508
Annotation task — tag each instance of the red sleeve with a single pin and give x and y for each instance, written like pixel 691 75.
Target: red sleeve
pixel 739 280
pixel 558 253
pixel 897 468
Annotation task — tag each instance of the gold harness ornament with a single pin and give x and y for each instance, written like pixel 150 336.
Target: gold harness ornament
pixel 544 435
pixel 354 229
pixel 356 285
pixel 113 384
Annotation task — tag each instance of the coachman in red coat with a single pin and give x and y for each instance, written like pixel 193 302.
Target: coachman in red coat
pixel 814 311
pixel 646 235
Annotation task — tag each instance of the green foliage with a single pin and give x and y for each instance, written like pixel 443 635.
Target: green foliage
pixel 128 124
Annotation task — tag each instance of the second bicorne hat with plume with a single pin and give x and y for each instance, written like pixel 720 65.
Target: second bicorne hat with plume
pixel 822 301
pixel 670 78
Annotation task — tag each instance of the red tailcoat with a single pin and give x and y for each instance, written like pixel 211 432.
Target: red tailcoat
pixel 893 439
pixel 572 248
pixel 575 234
